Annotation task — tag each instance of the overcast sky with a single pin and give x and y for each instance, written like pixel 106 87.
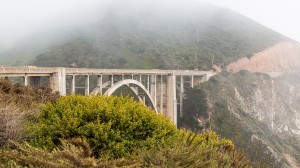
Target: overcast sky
pixel 282 16
pixel 19 18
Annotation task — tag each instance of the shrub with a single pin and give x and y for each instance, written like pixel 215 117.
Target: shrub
pixel 191 150
pixel 195 150
pixel 113 126
pixel 17 104
pixel 72 153
pixel 25 97
pixel 11 122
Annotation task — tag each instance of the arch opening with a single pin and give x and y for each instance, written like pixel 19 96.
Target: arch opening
pixel 134 86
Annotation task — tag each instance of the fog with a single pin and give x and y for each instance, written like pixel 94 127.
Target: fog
pixel 20 19
pixel 279 15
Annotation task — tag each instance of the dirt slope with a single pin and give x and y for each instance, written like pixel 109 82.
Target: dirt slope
pixel 284 56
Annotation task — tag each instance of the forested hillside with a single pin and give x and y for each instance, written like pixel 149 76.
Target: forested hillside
pixel 150 36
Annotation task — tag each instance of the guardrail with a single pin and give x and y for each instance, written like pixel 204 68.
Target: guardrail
pixel 90 71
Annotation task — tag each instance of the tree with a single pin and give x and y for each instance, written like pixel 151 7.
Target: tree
pixel 195 109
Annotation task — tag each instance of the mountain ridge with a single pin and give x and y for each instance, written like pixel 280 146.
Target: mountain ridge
pixel 151 37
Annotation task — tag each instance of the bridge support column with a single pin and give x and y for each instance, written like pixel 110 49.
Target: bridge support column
pixel 112 80
pixel 26 82
pixel 161 94
pixel 73 85
pixel 57 80
pixel 148 82
pixel 143 98
pixel 181 96
pixel 171 110
pixel 87 85
pixel 153 89
pixel 192 81
pixel 100 84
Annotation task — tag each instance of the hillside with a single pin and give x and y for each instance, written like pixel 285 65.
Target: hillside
pixel 149 36
pixel 260 114
pixel 284 56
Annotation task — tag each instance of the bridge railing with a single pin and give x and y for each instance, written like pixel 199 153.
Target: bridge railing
pixel 34 69
pixel 26 70
pixel 135 71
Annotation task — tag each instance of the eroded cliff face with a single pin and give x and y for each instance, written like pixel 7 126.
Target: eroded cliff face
pixel 259 113
pixel 284 56
pixel 274 102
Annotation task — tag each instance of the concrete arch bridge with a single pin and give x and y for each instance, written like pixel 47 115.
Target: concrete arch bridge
pixel 162 90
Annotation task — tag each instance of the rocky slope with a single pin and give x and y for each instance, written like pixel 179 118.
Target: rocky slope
pixel 272 102
pixel 259 113
pixel 284 56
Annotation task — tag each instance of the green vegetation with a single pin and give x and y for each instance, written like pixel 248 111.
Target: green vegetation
pixel 195 108
pixel 196 150
pixel 192 151
pixel 113 126
pixel 118 42
pixel 79 131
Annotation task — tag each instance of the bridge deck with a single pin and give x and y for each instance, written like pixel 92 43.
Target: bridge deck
pixel 44 71
pixel 134 71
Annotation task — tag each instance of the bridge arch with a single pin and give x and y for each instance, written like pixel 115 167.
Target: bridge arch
pixel 107 84
pixel 128 83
